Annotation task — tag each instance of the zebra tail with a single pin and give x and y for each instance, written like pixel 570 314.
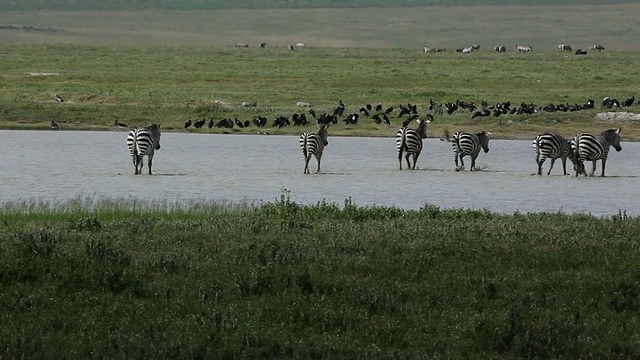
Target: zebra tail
pixel 403 143
pixel 305 150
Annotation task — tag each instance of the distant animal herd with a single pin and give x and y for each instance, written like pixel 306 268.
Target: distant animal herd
pixel 464 49
pixel 519 48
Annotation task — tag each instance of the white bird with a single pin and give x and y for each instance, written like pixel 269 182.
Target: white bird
pixel 58 98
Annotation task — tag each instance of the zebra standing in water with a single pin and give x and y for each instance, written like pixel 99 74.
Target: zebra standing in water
pixel 595 147
pixel 409 141
pixel 553 146
pixel 313 144
pixel 465 143
pixel 143 141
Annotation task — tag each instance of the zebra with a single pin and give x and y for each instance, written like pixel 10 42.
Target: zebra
pixel 143 141
pixel 313 144
pixel 409 141
pixel 595 147
pixel 465 143
pixel 554 146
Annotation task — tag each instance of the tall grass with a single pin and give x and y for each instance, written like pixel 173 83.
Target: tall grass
pixel 315 281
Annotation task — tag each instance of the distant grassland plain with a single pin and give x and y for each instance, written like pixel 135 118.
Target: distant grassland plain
pixel 543 27
pixel 169 66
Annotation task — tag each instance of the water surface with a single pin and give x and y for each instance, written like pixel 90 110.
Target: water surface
pixel 62 165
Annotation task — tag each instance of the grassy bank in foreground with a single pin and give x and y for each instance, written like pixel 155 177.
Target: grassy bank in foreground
pixel 171 85
pixel 127 279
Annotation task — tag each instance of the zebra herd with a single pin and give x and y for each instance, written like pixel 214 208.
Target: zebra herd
pixel 409 143
pixel 581 148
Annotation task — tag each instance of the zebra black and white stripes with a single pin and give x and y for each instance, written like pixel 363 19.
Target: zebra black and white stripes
pixel 409 142
pixel 595 147
pixel 313 144
pixel 553 146
pixel 465 143
pixel 143 141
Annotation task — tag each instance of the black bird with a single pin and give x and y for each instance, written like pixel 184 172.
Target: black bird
pixel 386 119
pixel 199 124
pixel 376 119
pixel 406 122
pixel 404 110
pixel 379 107
pixel 484 112
pixel 629 101
pixel 58 98
pixel 247 123
pixel 260 121
pixel 368 106
pixel 313 113
pixel 187 124
pixel 364 111
pixel 351 119
pixel 239 123
pixel 210 123
pixel 54 125
pixel 121 125
pixel 389 110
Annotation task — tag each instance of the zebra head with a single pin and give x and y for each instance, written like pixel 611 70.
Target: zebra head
pixel 613 137
pixel 422 126
pixel 155 134
pixel 323 133
pixel 484 140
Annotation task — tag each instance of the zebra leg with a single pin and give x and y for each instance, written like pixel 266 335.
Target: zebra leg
pixel 318 157
pixel 604 161
pixel 553 161
pixel 134 159
pixel 415 160
pixel 540 162
pixel 306 163
pixel 564 166
pixel 140 165
pixel 400 160
pixel 455 159
pixel 593 168
pixel 461 163
pixel 579 167
pixel 150 160
pixel 407 156
pixel 473 163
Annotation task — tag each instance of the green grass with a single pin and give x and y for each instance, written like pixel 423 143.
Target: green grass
pixel 144 279
pixel 168 85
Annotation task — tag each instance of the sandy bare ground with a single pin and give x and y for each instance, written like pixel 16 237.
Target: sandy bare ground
pixel 617 116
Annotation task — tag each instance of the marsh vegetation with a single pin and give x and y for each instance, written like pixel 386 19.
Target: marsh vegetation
pixel 157 279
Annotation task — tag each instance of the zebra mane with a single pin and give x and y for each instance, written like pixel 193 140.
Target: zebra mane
pixel 610 132
pixel 151 127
